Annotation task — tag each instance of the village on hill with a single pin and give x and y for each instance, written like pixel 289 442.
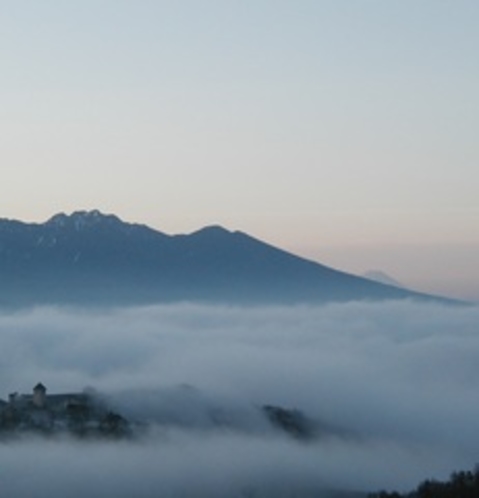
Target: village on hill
pixel 79 414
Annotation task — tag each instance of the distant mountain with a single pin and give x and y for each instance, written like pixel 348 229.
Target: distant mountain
pixel 382 278
pixel 90 258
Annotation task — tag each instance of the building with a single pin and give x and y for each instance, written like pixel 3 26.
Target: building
pixel 78 413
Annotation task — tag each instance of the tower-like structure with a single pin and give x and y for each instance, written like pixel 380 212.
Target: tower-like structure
pixel 39 395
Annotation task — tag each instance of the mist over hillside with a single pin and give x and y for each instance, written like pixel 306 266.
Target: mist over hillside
pixel 396 381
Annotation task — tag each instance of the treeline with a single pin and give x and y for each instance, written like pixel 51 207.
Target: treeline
pixel 464 484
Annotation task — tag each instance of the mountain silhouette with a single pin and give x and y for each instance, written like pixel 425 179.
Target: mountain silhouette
pixel 90 258
pixel 382 277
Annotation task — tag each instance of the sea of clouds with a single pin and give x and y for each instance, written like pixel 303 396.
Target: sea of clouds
pixel 396 384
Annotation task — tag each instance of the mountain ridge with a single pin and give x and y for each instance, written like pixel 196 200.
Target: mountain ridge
pixel 91 258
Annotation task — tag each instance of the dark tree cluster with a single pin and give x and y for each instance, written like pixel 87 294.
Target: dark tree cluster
pixel 463 484
pixel 291 421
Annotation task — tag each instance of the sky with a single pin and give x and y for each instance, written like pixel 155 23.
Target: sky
pixel 393 387
pixel 344 131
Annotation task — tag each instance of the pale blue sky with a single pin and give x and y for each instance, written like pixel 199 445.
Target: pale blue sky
pixel 345 131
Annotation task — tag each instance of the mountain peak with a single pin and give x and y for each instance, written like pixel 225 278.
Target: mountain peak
pixel 212 230
pixel 382 278
pixel 81 219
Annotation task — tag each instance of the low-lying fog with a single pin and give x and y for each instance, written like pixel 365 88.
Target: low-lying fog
pixel 399 381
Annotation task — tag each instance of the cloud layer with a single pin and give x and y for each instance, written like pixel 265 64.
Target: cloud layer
pixel 397 382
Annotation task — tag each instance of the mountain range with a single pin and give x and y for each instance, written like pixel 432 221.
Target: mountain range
pixel 90 258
